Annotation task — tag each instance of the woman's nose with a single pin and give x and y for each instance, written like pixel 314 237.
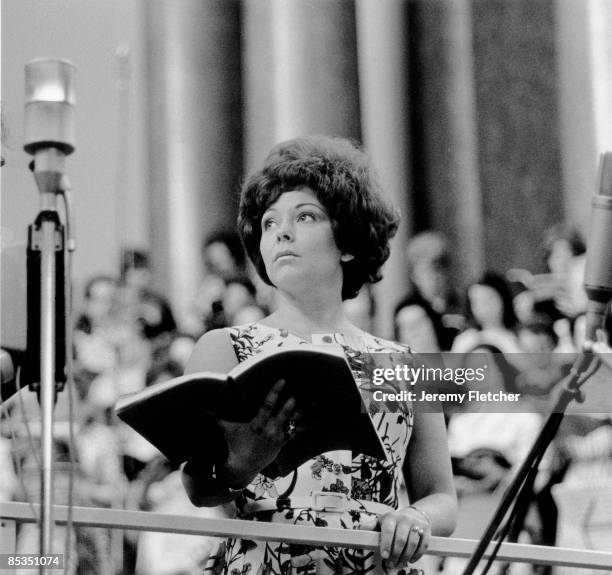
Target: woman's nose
pixel 284 231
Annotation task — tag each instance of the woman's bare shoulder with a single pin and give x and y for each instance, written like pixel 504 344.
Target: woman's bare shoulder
pixel 214 351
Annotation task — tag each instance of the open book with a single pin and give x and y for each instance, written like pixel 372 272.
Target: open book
pixel 180 416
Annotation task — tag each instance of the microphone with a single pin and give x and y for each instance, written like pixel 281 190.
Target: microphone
pixel 49 132
pixel 598 270
pixel 49 136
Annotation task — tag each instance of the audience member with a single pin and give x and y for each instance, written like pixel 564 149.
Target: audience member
pixel 431 289
pixel 111 356
pixel 239 294
pixel 151 310
pixel 419 326
pixel 223 261
pixel 559 293
pixel 223 254
pixel 541 368
pixel 490 315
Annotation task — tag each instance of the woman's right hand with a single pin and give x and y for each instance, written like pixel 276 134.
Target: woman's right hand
pixel 255 444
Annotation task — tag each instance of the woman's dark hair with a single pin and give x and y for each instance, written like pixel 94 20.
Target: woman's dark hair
pixel 500 285
pixel 340 175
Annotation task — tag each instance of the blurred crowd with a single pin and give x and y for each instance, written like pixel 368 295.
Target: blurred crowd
pixel 126 337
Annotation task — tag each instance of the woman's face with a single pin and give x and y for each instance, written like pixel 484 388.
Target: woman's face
pixel 431 278
pixel 297 242
pixel 102 300
pixel 487 305
pixel 218 259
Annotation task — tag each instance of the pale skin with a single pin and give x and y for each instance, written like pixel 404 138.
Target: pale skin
pixel 309 283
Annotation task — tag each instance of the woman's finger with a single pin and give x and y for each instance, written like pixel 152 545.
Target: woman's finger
pixel 287 412
pixel 282 425
pixel 387 533
pixel 268 406
pixel 401 541
pixel 422 546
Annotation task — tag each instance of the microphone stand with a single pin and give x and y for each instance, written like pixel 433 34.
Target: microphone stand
pixel 598 287
pixel 47 238
pixel 49 137
pixel 582 369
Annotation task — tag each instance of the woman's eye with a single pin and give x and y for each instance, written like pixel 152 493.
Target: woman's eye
pixel 306 217
pixel 266 224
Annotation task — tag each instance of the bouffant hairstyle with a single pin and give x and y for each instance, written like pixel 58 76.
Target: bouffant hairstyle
pixel 340 175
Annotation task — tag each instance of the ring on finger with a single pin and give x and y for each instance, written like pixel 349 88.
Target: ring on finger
pixel 418 530
pixel 290 427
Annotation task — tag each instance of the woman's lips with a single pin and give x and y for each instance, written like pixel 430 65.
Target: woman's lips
pixel 285 254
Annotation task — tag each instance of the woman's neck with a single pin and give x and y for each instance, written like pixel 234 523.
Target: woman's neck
pixel 304 317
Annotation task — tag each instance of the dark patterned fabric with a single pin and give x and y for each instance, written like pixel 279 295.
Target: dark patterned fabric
pixel 361 479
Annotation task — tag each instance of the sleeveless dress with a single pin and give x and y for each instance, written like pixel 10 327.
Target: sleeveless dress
pixel 354 488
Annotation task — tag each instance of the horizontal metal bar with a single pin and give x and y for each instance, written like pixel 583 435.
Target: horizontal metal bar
pixel 306 535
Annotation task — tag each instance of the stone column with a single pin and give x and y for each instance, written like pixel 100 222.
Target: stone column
pixel 194 133
pixel 444 131
pixel 515 65
pixel 300 72
pixel 382 41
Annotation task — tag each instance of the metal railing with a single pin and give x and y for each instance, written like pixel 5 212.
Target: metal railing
pixel 12 513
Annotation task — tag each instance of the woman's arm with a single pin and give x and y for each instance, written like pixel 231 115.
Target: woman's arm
pixel 213 352
pixel 405 533
pixel 428 473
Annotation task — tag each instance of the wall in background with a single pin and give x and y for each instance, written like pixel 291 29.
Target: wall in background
pixel 103 38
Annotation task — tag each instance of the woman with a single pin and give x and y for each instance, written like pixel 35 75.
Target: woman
pixel 316 229
pixel 419 325
pixel 491 316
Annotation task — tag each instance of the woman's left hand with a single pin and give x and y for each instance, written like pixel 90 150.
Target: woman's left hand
pixel 404 536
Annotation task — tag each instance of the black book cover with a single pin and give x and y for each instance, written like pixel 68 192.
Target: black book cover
pixel 180 416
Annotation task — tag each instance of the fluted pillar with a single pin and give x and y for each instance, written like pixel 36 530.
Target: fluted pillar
pixel 445 145
pixel 382 40
pixel 463 141
pixel 194 132
pixel 516 73
pixel 300 72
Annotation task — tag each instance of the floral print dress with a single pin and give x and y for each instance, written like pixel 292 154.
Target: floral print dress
pixel 362 483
